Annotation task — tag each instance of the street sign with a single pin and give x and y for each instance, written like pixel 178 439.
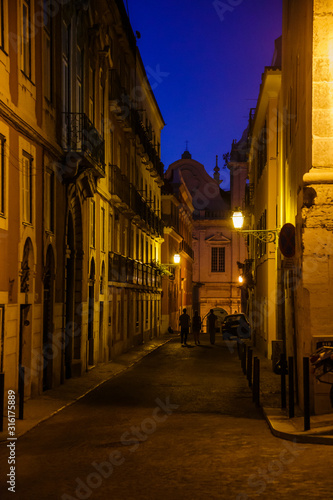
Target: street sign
pixel 287 240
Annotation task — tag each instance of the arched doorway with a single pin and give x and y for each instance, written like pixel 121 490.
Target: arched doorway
pixel 220 314
pixel 48 320
pixel 25 334
pixel 101 315
pixel 70 280
pixel 91 306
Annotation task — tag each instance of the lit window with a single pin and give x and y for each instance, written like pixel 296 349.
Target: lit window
pixel 26 39
pixel 27 187
pixel 218 260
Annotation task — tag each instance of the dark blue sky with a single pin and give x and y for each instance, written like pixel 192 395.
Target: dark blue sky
pixel 204 60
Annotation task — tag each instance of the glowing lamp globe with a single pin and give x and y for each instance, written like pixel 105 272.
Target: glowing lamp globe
pixel 238 220
pixel 176 258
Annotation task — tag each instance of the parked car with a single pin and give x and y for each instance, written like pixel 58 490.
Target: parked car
pixel 236 325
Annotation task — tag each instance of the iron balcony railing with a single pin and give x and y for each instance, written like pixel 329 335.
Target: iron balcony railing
pixel 128 194
pixel 83 138
pixel 127 113
pixel 185 247
pixel 127 270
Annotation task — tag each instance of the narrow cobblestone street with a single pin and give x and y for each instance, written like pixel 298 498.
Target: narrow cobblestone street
pixel 178 425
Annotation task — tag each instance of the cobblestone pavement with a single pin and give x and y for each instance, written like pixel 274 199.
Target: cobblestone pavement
pixel 178 425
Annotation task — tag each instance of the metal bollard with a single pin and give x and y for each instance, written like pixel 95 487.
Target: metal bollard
pixel 2 399
pixel 283 381
pixel 249 366
pixel 256 381
pixel 306 393
pixel 238 350
pixel 244 358
pixel 21 392
pixel 291 387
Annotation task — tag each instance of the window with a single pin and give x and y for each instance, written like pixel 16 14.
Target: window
pixel 47 53
pixel 26 39
pixel 101 101
pixel 66 36
pixel 91 94
pixel 2 174
pixel 261 245
pixel 2 335
pixel 218 260
pixel 27 187
pixel 92 224
pixel 2 26
pixel 110 232
pixel 103 229
pixel 49 201
pixel 79 80
pixel 262 151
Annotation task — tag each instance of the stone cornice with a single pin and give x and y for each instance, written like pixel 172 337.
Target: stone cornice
pixel 28 131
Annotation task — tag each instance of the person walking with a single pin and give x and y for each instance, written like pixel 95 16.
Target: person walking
pixel 185 322
pixel 196 327
pixel 211 318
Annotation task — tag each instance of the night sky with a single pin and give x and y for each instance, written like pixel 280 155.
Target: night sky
pixel 204 60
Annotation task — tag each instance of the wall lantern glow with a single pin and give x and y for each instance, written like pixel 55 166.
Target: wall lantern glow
pixel 265 235
pixel 240 279
pixel 238 219
pixel 176 258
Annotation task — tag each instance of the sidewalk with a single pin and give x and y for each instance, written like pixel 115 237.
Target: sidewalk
pixel 321 431
pixel 42 407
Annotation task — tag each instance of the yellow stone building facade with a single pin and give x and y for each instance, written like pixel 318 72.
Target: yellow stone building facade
pixel 80 190
pixel 291 181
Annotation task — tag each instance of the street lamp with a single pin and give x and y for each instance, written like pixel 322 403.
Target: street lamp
pixel 176 258
pixel 265 235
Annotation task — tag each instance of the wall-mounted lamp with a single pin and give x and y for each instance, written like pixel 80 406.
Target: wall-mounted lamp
pixel 176 258
pixel 265 235
pixel 240 279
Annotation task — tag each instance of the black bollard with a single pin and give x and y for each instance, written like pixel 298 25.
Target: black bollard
pixel 249 366
pixel 2 399
pixel 306 393
pixel 256 380
pixel 291 387
pixel 21 391
pixel 244 358
pixel 283 381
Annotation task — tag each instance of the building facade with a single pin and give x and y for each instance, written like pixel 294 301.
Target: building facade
pixel 216 247
pixel 262 201
pixel 80 184
pixel 292 181
pixel 177 210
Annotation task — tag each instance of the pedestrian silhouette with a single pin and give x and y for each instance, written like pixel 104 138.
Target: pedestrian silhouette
pixel 211 318
pixel 185 322
pixel 196 327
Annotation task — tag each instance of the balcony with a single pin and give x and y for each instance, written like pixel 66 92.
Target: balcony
pixel 129 271
pixel 85 144
pixel 120 187
pixel 128 199
pixel 185 247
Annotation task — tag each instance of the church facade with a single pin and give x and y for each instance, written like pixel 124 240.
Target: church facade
pixel 216 247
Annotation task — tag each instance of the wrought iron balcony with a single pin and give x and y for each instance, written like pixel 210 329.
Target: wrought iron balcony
pixel 126 197
pixel 185 247
pixel 83 139
pixel 127 270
